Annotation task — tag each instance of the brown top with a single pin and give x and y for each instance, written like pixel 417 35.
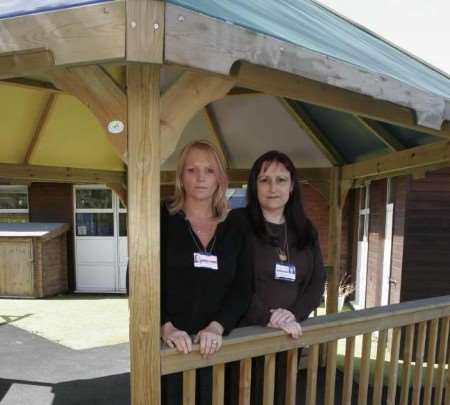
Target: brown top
pixel 301 296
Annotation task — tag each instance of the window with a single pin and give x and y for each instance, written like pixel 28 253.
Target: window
pixel 13 204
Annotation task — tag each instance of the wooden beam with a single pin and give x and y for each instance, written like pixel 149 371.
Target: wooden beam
pixel 240 176
pixel 26 63
pixel 85 34
pixel 432 156
pixel 30 84
pixel 145 31
pixel 241 91
pixel 185 98
pixel 304 121
pixel 55 174
pixel 42 122
pixel 278 83
pixel 381 133
pixel 144 227
pixel 215 132
pixel 95 88
pixel 121 191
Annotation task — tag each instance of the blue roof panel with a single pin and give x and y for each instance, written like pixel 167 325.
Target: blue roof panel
pixel 308 24
pixel 14 8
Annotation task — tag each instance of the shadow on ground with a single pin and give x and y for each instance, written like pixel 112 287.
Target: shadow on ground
pixel 110 390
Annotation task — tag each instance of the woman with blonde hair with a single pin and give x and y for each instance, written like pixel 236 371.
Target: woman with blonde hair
pixel 205 269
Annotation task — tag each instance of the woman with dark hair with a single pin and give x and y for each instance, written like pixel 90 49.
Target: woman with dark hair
pixel 289 275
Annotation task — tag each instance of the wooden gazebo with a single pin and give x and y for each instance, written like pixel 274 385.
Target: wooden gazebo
pixel 145 69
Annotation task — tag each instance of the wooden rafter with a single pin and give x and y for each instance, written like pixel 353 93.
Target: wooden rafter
pixel 30 84
pixel 431 156
pixel 381 133
pixel 17 65
pixel 42 122
pixel 241 91
pixel 185 98
pixel 240 176
pixel 304 121
pixel 215 131
pixel 283 84
pixel 121 190
pixel 59 174
pixel 94 87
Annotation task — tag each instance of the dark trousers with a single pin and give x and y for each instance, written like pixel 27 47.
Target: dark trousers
pixel 172 388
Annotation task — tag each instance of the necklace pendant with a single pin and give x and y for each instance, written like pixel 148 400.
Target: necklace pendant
pixel 282 256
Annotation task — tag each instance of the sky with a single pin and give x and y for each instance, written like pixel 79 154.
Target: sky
pixel 420 27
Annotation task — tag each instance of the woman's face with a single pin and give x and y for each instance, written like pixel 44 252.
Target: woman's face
pixel 200 175
pixel 274 186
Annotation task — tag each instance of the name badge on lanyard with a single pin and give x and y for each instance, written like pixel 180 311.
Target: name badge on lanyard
pixel 285 272
pixel 205 261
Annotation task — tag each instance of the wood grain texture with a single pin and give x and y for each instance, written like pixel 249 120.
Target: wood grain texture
pixel 269 378
pixel 95 88
pixel 418 368
pixel 144 232
pixel 364 369
pixel 245 380
pixel 185 98
pixel 17 65
pixel 189 378
pixel 431 359
pixel 145 31
pixel 347 385
pixel 41 124
pixel 311 381
pixel 440 372
pixel 406 369
pixel 86 34
pixel 393 366
pixel 379 368
pixel 59 174
pixel 218 384
pixel 291 377
pixel 330 376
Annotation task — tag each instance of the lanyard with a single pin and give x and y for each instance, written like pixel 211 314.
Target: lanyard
pixel 197 245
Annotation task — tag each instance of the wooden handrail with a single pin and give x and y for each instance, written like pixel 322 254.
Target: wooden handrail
pixel 257 341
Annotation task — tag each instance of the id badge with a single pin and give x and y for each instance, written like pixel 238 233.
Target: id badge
pixel 205 261
pixel 285 272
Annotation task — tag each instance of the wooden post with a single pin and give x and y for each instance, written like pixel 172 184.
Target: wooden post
pixel 338 193
pixel 144 238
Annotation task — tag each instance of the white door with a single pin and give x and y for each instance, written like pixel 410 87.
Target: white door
pixel 362 249
pixel 99 257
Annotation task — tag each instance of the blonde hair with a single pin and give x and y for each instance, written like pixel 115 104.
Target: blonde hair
pixel 219 202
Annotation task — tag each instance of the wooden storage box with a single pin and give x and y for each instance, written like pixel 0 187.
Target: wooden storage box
pixel 33 259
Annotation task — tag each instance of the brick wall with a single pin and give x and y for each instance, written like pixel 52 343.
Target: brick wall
pixel 53 202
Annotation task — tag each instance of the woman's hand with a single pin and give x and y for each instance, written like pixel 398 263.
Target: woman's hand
pixel 176 338
pixel 210 338
pixel 279 317
pixel 293 329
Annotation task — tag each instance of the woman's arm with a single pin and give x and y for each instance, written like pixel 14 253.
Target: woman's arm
pixel 310 299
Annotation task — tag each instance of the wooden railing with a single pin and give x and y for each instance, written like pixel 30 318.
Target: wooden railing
pixel 401 331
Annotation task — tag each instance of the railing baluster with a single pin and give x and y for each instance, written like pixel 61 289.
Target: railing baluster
pixel 420 348
pixel 440 373
pixel 365 369
pixel 218 384
pixel 269 378
pixel 348 371
pixel 311 384
pixel 330 379
pixel 406 370
pixel 379 368
pixel 189 387
pixel 447 388
pixel 245 380
pixel 393 366
pixel 291 377
pixel 431 357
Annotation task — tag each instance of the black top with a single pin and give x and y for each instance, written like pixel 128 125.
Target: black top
pixel 193 297
pixel 300 297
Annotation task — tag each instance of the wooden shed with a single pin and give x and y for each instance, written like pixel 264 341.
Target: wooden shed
pixel 33 259
pixel 113 89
